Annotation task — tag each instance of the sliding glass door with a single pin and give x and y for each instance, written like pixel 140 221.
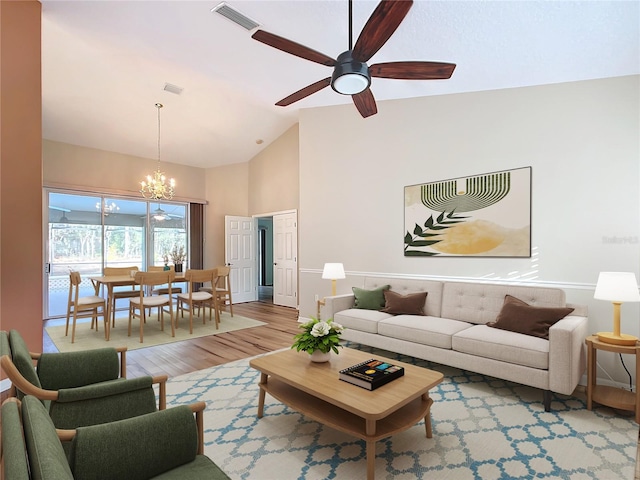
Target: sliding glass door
pixel 88 232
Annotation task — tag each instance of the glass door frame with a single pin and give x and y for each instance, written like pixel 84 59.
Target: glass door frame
pixel 147 254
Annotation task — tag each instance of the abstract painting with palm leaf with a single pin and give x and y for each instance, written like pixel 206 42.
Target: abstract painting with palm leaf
pixel 486 215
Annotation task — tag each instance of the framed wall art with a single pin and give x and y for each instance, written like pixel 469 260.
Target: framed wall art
pixel 486 215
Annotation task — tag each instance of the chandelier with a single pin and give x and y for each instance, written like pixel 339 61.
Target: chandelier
pixel 154 187
pixel 107 208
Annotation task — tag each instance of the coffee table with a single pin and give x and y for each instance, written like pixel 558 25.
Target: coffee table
pixel 315 390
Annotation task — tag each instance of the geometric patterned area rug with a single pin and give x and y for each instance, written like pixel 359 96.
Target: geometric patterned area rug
pixel 483 428
pixel 87 338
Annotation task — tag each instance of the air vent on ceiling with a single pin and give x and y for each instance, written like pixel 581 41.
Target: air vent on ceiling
pixel 235 16
pixel 168 87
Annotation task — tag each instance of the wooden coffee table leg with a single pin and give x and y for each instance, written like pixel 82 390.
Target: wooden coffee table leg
pixel 261 395
pixel 371 449
pixel 371 459
pixel 427 417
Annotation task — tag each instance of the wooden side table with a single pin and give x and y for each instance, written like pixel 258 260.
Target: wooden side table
pixel 611 396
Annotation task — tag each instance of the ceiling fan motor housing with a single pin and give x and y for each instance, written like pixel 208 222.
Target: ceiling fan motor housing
pixel 349 75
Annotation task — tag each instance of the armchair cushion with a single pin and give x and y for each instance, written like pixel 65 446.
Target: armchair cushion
pixel 22 359
pixel 60 370
pixel 47 459
pixel 5 349
pixel 103 402
pixel 138 448
pixel 16 466
pixel 201 467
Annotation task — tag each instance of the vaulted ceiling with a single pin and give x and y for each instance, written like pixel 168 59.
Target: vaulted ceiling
pixel 105 64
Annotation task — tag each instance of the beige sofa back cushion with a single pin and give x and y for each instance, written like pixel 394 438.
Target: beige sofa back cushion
pixel 433 305
pixel 480 303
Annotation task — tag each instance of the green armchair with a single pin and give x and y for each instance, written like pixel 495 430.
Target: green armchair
pixel 79 388
pixel 166 445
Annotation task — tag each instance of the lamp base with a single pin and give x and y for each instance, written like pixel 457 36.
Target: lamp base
pixel 622 339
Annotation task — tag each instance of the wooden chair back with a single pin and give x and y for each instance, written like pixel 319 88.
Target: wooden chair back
pixel 223 288
pixel 83 307
pixel 153 278
pixel 117 271
pixel 200 276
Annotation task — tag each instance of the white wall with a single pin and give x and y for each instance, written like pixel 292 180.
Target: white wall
pixel 581 140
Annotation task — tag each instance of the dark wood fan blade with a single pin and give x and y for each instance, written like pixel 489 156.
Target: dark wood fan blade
pixel 365 103
pixel 413 70
pixel 384 20
pixel 293 48
pixel 305 92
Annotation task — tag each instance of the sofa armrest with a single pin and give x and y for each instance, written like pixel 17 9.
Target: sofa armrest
pixel 123 450
pixel 567 353
pixel 338 303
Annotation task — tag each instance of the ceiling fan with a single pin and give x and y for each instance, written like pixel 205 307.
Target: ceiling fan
pixel 351 74
pixel 160 215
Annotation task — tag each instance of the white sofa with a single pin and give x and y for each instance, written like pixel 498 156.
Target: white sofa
pixel 454 331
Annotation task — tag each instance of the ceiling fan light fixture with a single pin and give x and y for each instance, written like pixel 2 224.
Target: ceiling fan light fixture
pixel 350 76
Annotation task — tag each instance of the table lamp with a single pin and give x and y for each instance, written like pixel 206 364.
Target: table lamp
pixel 333 272
pixel 617 287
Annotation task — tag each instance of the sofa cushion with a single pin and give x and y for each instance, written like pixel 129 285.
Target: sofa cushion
pixel 481 302
pixel 502 345
pixel 433 331
pixel 519 316
pixel 361 320
pixel 370 299
pixel 398 304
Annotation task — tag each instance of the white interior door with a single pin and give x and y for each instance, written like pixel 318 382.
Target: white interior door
pixel 285 259
pixel 240 249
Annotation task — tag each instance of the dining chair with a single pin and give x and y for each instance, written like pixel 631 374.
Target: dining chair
pixel 222 288
pixel 193 298
pixel 148 280
pixel 125 292
pixel 162 290
pixel 84 307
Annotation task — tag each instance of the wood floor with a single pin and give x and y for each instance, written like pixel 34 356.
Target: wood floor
pixel 178 358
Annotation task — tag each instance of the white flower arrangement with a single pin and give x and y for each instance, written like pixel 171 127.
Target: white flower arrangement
pixel 318 335
pixel 178 255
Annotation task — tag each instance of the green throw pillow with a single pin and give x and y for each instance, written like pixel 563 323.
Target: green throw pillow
pixel 370 299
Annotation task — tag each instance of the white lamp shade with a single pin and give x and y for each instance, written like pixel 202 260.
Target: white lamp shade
pixel 617 287
pixel 333 271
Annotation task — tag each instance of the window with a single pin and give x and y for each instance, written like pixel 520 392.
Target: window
pixel 88 232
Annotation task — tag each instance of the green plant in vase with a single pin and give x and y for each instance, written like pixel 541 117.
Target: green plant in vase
pixel 318 336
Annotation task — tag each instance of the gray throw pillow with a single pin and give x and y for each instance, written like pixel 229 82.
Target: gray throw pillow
pixel 370 299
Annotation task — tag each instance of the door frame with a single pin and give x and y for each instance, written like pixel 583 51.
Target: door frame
pixel 271 215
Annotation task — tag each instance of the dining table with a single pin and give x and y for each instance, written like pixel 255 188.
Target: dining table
pixel 112 281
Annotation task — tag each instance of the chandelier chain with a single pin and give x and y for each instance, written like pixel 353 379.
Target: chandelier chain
pixel 154 187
